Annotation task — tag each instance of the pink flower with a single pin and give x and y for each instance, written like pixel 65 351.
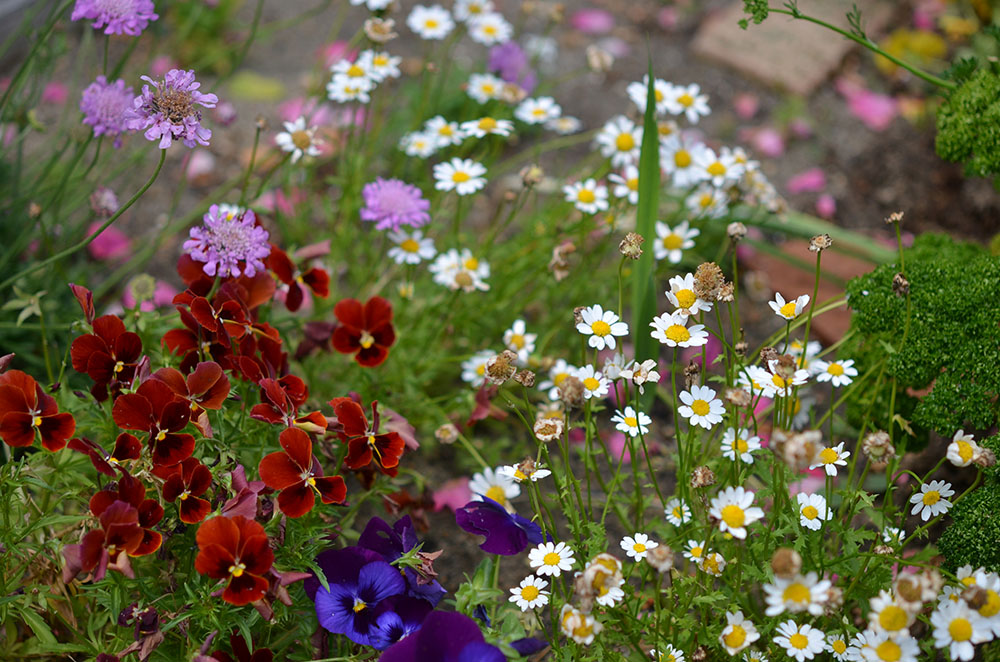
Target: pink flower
pixel 809 181
pixel 667 18
pixel 316 114
pixel 800 128
pixel 163 295
pixel 334 51
pixel 112 244
pixel 746 105
pixel 592 21
pixel 276 200
pixel 768 142
pixel 161 64
pixel 453 494
pixel 200 165
pixel 618 446
pixel 617 47
pixel 55 92
pixel 826 206
pixel 876 110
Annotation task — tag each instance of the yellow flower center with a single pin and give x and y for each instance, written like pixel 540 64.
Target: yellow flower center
pixel 673 242
pixel 779 381
pixel 701 408
pixel 685 298
pixel 488 89
pixel 992 606
pixel 551 559
pixel 892 618
pixel 487 124
pixel 184 495
pixel 586 196
pixel 733 516
pixel 529 593
pixel 367 340
pixel 430 23
pixel 960 629
pixel 677 512
pixel 828 456
pixel 538 112
pixel 119 366
pixel 799 641
pixel 236 570
pixel 677 333
pixel 380 60
pixel 741 445
pixel 490 30
pixel 591 383
pixel 359 605
pixel 161 435
pixel 517 340
pixel 889 651
pixel 685 100
pixel 632 184
pixel 520 475
pixel 658 95
pixel 788 310
pixel 965 451
pixel 736 637
pixel 810 512
pixel 797 593
pixel 706 200
pixel 932 497
pixel 625 142
pixel 301 139
pixel 600 328
pixel 497 494
pixel 710 565
pixel 839 646
pixel 638 548
pixel 716 169
pixel 481 369
pixel 682 158
pixel 835 369
pixel 460 177
pixel 36 421
pixel 471 264
pixel 695 551
pixel 410 245
pixel 354 71
pixel 560 378
pixel 631 422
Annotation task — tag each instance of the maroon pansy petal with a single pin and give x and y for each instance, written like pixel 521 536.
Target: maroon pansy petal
pixel 378 311
pixel 390 446
pixel 127 447
pixel 318 281
pixel 16 429
pixel 371 356
pixel 351 416
pixel 56 430
pixel 296 500
pixel 278 471
pixel 194 510
pixel 133 412
pixel 256 554
pixel 346 340
pixel 173 487
pixel 213 560
pixel 127 347
pixel 83 348
pixel 245 589
pixel 294 297
pixel 298 446
pixel 151 541
pixel 350 312
pixel 359 453
pixel 332 489
pixel 172 449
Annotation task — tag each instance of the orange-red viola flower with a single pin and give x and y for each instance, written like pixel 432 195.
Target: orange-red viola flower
pixel 364 443
pixel 26 411
pixel 150 512
pixel 297 474
pixel 316 279
pixel 127 447
pixel 364 330
pixel 109 355
pixel 235 550
pixel 155 409
pixel 185 483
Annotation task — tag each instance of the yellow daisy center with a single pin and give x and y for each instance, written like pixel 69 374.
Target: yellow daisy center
pixel 797 593
pixel 471 263
pixel 639 547
pixel 701 408
pixel 676 512
pixel 677 333
pixel 685 100
pixel 600 328
pixel 889 651
pixel 490 30
pixel 410 245
pixel 517 340
pixel 799 641
pixel 487 124
pixel 839 646
pixel 632 184
pixel 354 71
pixel 591 383
pixel 551 559
pixel 529 593
pixel 779 381
pixel 631 422
pixel 736 637
pixel 586 196
pixel 892 618
pixel 673 242
pixel 835 369
pixel 965 450
pixel 992 606
pixel 695 551
pixel 625 142
pixel 460 177
pixel 430 23
pixel 560 378
pixel 960 629
pixel 828 456
pixel 682 158
pixel 497 494
pixel 685 298
pixel 788 310
pixel 932 497
pixel 741 445
pixel 658 95
pixel 733 515
pixel 810 512
pixel 716 169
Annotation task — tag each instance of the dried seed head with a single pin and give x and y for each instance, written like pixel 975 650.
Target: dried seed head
pixel 799 450
pixel 736 231
pixel 785 366
pixel 578 314
pixel 547 429
pixel 512 93
pixel 741 348
pixel 900 286
pixel 571 392
pixel 708 279
pixel 660 558
pixel 559 264
pixel 727 293
pixel 501 367
pixel 975 596
pixel 261 123
pixel 820 243
pixel 786 563
pixel 878 447
pixel 700 654
pixel 737 396
pixel 984 457
pixel 882 550
pixel 598 59
pixel 380 30
pixel 691 374
pixel 525 378
pixel 834 601
pixel 532 175
pixel 447 433
pixel 702 477
pixel 894 217
pixel 527 466
pixel 631 246
pixel 768 354
pixel 34 209
pixel 143 287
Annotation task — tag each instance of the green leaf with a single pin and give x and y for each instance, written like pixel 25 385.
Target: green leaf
pixel 39 627
pixel 249 86
pixel 643 290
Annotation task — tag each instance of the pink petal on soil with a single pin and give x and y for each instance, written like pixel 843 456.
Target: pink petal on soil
pixel 667 18
pixel 876 110
pixel 809 181
pixel 826 206
pixel 338 50
pixel 769 142
pixel 618 446
pixel 112 244
pixel 746 105
pixel 808 485
pixel 592 21
pixel 617 47
pixel 454 494
pixel 800 128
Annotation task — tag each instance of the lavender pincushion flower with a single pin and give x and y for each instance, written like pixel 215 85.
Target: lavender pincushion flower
pixel 512 63
pixel 105 106
pixel 129 17
pixel 392 203
pixel 169 111
pixel 223 242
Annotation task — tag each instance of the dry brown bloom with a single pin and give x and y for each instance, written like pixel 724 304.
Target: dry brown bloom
pixel 894 217
pixel 882 550
pixel 984 457
pixel 512 93
pixel 571 392
pixel 447 433
pixel 736 231
pixel 708 280
pixel 631 246
pixel 380 30
pixel 975 596
pixel 737 396
pixel 786 563
pixel 702 477
pixel 879 449
pixel 820 243
pixel 578 315
pixel 532 175
pixel 727 293
pixel 660 558
pixel 525 378
pixel 900 286
pixel 834 601
pixel 559 264
pixel 700 654
pixel 768 354
pixel 799 450
pixel 598 59
pixel 741 348
pixel 547 429
pixel 501 367
pixel 692 372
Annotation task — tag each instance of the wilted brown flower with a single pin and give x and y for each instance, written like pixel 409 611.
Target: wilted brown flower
pixel 380 30
pixel 786 563
pixel 559 264
pixel 702 477
pixel 879 449
pixel 708 280
pixel 525 378
pixel 598 59
pixel 736 231
pixel 547 429
pixel 532 175
pixel 737 396
pixel 820 243
pixel 501 367
pixel 447 433
pixel 799 450
pixel 660 558
pixel 984 457
pixel 571 392
pixel 631 246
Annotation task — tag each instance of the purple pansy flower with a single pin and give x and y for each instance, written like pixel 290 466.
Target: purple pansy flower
pixel 105 106
pixel 444 637
pixel 392 542
pixel 170 110
pixel 391 203
pixel 225 240
pixel 116 16
pixel 506 533
pixel 511 63
pixel 402 617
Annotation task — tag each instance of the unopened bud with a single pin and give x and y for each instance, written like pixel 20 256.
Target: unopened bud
pixel 34 209
pixel 447 433
pixel 261 123
pixel 741 348
pixel 894 217
pixel 736 231
pixel 525 378
pixel 631 246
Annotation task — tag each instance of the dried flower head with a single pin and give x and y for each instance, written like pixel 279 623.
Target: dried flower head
pixel 525 378
pixel 169 111
pixel 531 175
pixel 548 429
pixel 799 450
pixel 820 243
pixel 501 367
pixel 975 596
pixel 984 457
pixel 736 231
pixel 631 246
pixel 768 354
pixel 691 374
pixel 786 563
pixel 741 348
pixel 660 558
pixel 900 286
pixel 708 280
pixel 598 59
pixel 727 293
pixel 834 601
pixel 702 477
pixel 894 217
pixel 737 396
pixel 784 367
pixel 878 447
pixel 559 264
pixel 380 30
pixel 882 550
pixel 447 433
pixel 571 392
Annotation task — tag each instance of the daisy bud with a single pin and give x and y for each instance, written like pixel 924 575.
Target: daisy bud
pixel 736 231
pixel 501 367
pixel 894 217
pixel 768 354
pixel 741 348
pixel 900 286
pixel 598 59
pixel 820 243
pixel 708 279
pixel 380 30
pixel 737 396
pixel 547 429
pixel 691 373
pixel 878 447
pixel 261 123
pixel 702 477
pixel 631 246
pixel 447 433
pixel 531 175
pixel 571 392
pixel 525 378
pixel 661 558
pixel 786 563
pixel 984 457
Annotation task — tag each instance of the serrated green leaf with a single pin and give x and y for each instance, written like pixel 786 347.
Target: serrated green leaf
pixel 39 627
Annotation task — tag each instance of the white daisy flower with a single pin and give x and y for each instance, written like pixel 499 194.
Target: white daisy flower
pixel 671 330
pixel 707 202
pixel 355 70
pixel 831 458
pixel 637 546
pixel 713 563
pixel 551 558
pixel 467 9
pixel 932 499
pixel 677 158
pixel 626 184
pixel 887 615
pixel 486 126
pixel 464 176
pixel 490 29
pixel 739 443
pixel 373 5
pixel 892 535
pixel 418 144
pixel 838 373
pixel 665 129
pixel 298 139
pixel 803 642
pixel 380 65
pixel 783 386
pixel 631 422
pixel 701 407
pixel 433 23
pixel 672 242
pixel 474 367
pixel 695 550
pixel 738 633
pixel 990 611
pixel 788 310
pixel 557 374
pixel 588 196
pixel 681 295
pixel 578 626
pixel 518 340
pixel 602 326
pixel 756 380
pixel 637 92
pixel 460 270
pixel 733 508
pixel 859 645
pixel 836 645
pixel 343 89
pixel 493 484
pixel 962 449
pixel 812 510
pixel 564 125
pixel 883 647
pixel 620 140
pixel 595 385
pixel 411 247
pixel 744 161
pixel 687 100
pixel 754 656
pixel 669 654
pixel 805 355
pixel 516 472
pixel 537 111
pixel 641 373
pixel 677 512
pixel 484 88
pixel 444 132
pixel 721 169
pixel 614 365
pixel 530 593
pixel 796 594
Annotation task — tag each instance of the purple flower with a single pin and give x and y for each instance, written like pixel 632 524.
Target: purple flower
pixel 392 203
pixel 444 637
pixel 120 16
pixel 226 240
pixel 511 63
pixel 506 533
pixel 402 616
pixel 170 111
pixel 391 543
pixel 105 106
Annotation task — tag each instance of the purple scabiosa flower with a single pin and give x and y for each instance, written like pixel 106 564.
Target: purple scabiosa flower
pixel 512 64
pixel 391 203
pixel 391 543
pixel 105 106
pixel 170 111
pixel 506 533
pixel 116 16
pixel 444 637
pixel 224 241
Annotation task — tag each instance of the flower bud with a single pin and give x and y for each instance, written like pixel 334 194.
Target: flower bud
pixel 736 231
pixel 894 217
pixel 447 433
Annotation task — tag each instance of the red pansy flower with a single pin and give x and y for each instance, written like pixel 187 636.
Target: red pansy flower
pixel 149 511
pixel 108 355
pixel 280 400
pixel 186 482
pixel 236 550
pixel 155 409
pixel 364 443
pixel 207 387
pixel 316 279
pixel 26 409
pixel 119 536
pixel 241 652
pixel 364 330
pixel 297 474
pixel 127 447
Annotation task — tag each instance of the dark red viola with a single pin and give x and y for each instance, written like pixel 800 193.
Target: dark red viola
pixel 26 411
pixel 298 475
pixel 127 447
pixel 108 356
pixel 316 279
pixel 130 490
pixel 154 409
pixel 365 445
pixel 364 330
pixel 184 484
pixel 235 550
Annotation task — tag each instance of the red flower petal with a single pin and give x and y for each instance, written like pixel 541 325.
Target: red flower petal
pixel 82 349
pixel 108 328
pixel 390 446
pixel 256 555
pixel 378 311
pixel 296 500
pixel 245 589
pixel 332 489
pixel 294 297
pixel 193 510
pixel 351 416
pixel 318 281
pixel 127 447
pixel 359 453
pixel 298 445
pixel 221 531
pixel 172 449
pixel 133 412
pixel 16 429
pixel 279 263
pixel 278 471
pixel 350 312
pixel 346 340
pixel 56 430
pixel 213 560
pixel 371 356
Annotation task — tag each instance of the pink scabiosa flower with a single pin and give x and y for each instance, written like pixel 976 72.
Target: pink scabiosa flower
pixel 105 106
pixel 129 17
pixel 391 203
pixel 170 111
pixel 222 243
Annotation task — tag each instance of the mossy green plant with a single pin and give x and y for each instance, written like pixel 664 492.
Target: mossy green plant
pixel 968 125
pixel 974 535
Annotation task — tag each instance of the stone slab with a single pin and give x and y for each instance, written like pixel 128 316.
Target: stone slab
pixel 789 54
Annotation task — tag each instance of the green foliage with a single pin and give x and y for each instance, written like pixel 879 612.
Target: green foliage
pixel 968 124
pixel 975 529
pixel 952 340
pixel 757 10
